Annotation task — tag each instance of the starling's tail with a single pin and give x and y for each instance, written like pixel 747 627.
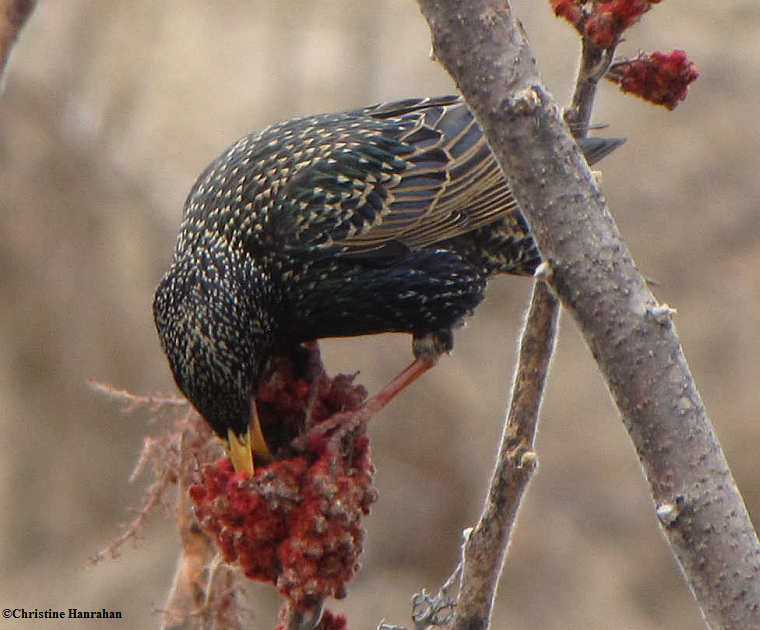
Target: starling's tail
pixel 596 148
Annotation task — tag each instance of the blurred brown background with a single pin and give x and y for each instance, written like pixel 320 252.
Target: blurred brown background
pixel 109 112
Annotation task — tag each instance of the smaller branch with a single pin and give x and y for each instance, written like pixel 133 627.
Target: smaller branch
pixel 438 611
pixel 191 585
pixel 13 16
pixel 153 499
pixel 594 65
pixel 486 547
pixel 295 619
pixel 191 590
pixel 132 402
pixel 161 454
pixel 204 591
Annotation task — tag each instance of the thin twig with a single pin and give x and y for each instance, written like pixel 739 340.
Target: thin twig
pixel 295 619
pixel 593 66
pixel 204 591
pixel 437 611
pixel 486 547
pixel 132 402
pixel 153 498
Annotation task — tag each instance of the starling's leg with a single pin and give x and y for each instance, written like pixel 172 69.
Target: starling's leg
pixel 427 349
pixel 239 451
pixel 398 383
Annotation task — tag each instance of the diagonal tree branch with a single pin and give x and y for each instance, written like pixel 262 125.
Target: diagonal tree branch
pixel 485 550
pixel 629 333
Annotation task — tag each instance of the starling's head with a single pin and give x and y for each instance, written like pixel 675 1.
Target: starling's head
pixel 213 332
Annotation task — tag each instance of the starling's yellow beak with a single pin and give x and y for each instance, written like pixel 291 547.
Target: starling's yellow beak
pixel 239 451
pixel 241 448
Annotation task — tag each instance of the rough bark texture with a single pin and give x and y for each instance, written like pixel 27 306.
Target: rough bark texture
pixel 629 333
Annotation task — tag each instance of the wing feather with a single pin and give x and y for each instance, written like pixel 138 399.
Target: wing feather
pixel 420 172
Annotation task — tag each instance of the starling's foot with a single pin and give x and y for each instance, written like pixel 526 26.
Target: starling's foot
pixel 405 378
pixel 433 344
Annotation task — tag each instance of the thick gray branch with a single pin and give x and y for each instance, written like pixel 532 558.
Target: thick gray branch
pixel 630 335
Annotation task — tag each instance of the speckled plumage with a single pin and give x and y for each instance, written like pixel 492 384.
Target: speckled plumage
pixel 388 218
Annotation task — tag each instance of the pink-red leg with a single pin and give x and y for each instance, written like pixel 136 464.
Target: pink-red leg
pixel 416 369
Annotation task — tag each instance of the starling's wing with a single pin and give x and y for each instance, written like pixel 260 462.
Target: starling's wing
pixel 410 173
pixel 403 175
pixel 449 149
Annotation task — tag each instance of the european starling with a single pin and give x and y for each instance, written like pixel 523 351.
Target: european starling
pixel 384 219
